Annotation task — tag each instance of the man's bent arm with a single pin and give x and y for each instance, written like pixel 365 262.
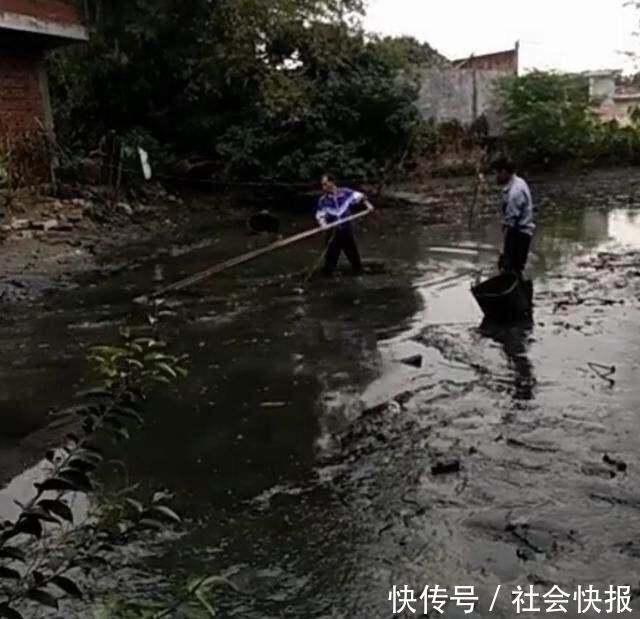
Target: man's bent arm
pixel 354 198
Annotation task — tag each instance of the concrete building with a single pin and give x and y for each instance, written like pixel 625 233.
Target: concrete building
pixel 28 30
pixel 464 91
pixel 610 102
pixel 602 84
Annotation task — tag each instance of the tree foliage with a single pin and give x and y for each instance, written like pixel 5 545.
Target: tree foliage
pixel 549 121
pixel 546 116
pixel 258 88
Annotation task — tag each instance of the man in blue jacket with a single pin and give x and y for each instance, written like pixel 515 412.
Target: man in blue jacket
pixel 517 210
pixel 335 204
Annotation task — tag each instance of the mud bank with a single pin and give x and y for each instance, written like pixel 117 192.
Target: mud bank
pixel 47 242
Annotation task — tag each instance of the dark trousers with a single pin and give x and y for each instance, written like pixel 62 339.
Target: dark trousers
pixel 516 251
pixel 340 240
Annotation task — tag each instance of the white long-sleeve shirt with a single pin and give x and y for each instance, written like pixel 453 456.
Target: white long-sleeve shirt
pixel 517 206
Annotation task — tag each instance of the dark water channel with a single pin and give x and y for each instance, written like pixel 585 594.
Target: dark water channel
pixel 304 491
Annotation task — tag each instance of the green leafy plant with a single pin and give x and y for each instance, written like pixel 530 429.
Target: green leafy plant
pixel 547 117
pixel 43 551
pixel 549 121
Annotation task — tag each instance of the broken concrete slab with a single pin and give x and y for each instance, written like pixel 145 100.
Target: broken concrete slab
pixel 44 225
pixel 22 235
pixel 19 224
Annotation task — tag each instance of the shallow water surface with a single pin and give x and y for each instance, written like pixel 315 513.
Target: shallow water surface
pixel 300 448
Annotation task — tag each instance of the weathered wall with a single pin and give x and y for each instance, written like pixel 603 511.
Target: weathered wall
pixel 460 94
pixel 602 87
pixel 24 38
pixel 619 109
pixel 28 29
pixel 21 97
pixel 24 115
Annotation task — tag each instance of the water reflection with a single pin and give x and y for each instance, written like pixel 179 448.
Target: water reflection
pixel 565 234
pixel 514 340
pixel 624 227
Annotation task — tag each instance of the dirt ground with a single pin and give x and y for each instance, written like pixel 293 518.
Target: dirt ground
pixel 45 242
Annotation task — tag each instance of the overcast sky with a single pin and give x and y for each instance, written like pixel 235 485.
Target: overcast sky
pixel 567 35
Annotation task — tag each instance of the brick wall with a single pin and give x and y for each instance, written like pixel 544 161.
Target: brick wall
pixel 23 144
pixel 21 101
pixel 24 107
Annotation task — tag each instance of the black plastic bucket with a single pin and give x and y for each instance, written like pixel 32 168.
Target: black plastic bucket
pixel 504 298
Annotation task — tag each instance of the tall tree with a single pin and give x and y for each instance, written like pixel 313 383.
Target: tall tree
pixel 274 88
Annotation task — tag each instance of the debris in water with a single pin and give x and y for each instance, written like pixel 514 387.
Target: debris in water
pixel 453 250
pixel 46 225
pixel 144 162
pixel 526 554
pixel 446 468
pixel 605 372
pixel 17 224
pixel 273 404
pixel 415 361
pixel 598 470
pixel 618 464
pixel 158 275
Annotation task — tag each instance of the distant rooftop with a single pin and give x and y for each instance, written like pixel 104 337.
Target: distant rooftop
pixel 626 96
pixel 603 73
pixel 502 60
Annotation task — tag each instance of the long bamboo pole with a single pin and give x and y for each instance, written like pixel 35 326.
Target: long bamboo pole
pixel 227 264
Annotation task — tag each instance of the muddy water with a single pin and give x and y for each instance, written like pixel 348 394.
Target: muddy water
pixel 300 448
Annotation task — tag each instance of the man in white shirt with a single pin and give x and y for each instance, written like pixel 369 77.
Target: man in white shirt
pixel 518 221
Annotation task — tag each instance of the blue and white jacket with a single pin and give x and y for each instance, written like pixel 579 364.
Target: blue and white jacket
pixel 336 206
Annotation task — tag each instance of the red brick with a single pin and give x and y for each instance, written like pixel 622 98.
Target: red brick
pixel 21 103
